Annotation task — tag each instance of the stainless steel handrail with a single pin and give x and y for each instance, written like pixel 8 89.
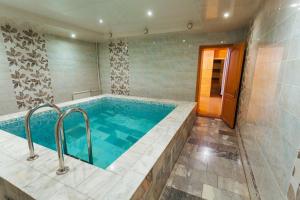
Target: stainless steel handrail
pixel 62 168
pixel 32 155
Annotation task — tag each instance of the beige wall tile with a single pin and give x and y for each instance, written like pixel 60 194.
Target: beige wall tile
pixel 269 111
pixel 73 67
pixel 164 65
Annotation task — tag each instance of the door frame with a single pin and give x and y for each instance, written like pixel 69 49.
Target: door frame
pixel 199 69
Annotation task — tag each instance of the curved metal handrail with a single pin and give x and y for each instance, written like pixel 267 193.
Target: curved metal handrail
pixel 32 155
pixel 62 168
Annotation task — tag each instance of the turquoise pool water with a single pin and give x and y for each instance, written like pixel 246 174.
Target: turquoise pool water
pixel 116 124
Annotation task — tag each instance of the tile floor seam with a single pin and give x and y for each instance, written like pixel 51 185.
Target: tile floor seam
pixel 212 144
pixel 243 165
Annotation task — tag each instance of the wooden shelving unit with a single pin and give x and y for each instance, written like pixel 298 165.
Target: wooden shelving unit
pixel 216 81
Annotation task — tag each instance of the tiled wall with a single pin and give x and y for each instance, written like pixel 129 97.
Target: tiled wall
pixel 119 66
pixel 164 65
pixel 269 112
pixel 8 102
pixel 26 54
pixel 72 64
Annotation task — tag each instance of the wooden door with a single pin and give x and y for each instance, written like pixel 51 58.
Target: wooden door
pixel 232 84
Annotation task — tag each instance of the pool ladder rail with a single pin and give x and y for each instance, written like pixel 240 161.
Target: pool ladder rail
pixel 60 138
pixel 32 155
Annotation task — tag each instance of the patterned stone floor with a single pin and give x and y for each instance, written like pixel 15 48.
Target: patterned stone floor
pixel 209 166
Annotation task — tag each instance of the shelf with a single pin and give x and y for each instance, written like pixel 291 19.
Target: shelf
pixel 219 59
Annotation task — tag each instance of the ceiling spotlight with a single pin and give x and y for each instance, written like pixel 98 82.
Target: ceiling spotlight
pixel 294 5
pixel 73 35
pixel 146 31
pixel 189 25
pixel 149 13
pixel 101 21
pixel 226 15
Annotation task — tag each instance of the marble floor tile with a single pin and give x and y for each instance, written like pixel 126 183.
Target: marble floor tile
pixel 205 177
pixel 219 165
pixel 181 170
pixel 221 150
pixel 191 163
pixel 182 183
pixel 212 193
pixel 174 194
pixel 229 133
pixel 188 149
pixel 209 165
pixel 232 185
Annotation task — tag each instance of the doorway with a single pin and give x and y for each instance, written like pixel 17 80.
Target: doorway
pixel 218 82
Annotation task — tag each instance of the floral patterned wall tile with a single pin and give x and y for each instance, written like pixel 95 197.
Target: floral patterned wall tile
pixel 28 63
pixel 119 63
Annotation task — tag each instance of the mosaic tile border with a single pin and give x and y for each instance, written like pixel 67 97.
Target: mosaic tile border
pixel 84 105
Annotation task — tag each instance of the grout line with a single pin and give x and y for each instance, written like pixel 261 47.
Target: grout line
pixel 245 160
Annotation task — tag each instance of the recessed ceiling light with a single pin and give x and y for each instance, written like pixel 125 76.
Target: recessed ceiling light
pixel 294 5
pixel 73 35
pixel 226 15
pixel 149 13
pixel 101 21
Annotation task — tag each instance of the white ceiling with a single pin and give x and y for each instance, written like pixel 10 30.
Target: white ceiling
pixel 128 17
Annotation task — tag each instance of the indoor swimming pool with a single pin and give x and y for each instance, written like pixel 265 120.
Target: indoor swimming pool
pixel 116 124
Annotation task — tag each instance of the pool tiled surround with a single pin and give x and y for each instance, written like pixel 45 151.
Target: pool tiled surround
pixel 209 166
pixel 141 172
pixel 158 175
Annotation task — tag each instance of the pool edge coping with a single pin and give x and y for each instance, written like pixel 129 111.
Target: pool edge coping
pixel 122 177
